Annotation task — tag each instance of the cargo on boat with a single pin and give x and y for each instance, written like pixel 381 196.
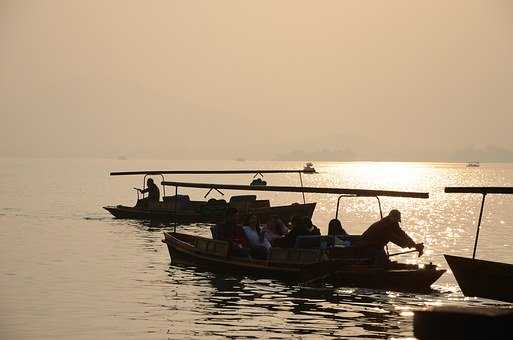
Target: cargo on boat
pixel 180 208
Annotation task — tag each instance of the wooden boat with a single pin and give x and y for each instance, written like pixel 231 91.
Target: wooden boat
pixel 340 266
pixel 486 279
pixel 473 164
pixel 180 208
pixel 298 265
pixel 212 211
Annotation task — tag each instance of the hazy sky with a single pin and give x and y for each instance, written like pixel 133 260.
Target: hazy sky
pixel 397 80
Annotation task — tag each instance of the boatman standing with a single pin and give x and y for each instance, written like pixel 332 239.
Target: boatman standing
pixel 153 193
pixel 388 230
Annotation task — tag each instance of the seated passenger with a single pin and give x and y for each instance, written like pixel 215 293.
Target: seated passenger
pixel 224 231
pixel 231 231
pixel 260 246
pixel 335 228
pixel 275 228
pixel 388 230
pixel 311 229
pixel 299 227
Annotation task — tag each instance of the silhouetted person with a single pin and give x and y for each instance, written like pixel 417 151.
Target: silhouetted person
pixel 232 232
pixel 335 228
pixel 225 231
pixel 275 228
pixel 311 228
pixel 301 226
pixel 259 245
pixel 153 194
pixel 388 230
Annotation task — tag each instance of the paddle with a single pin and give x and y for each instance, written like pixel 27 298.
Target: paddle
pixel 403 252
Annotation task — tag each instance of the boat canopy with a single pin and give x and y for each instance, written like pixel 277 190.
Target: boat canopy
pixel 318 190
pixel 483 191
pixel 255 173
pixel 205 172
pixel 480 190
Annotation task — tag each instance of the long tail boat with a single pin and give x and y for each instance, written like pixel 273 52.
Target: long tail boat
pixel 180 208
pixel 348 266
pixel 485 279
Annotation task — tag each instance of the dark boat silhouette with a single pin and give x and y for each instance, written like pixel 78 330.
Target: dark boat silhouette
pixel 180 208
pixel 485 279
pixel 297 265
pixel 318 259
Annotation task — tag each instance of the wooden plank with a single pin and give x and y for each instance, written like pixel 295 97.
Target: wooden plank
pixel 480 190
pixel 339 191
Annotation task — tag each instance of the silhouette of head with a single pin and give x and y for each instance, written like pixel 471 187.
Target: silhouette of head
pixel 395 215
pixel 149 181
pixel 335 227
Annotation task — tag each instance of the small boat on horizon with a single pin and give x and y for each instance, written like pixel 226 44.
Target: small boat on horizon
pixel 474 164
pixel 309 168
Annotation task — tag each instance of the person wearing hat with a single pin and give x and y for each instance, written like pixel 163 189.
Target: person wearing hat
pixel 388 230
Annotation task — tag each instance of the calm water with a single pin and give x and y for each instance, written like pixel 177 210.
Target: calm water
pixel 68 270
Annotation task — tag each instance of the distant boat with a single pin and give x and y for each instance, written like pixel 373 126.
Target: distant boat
pixel 486 279
pixel 309 168
pixel 474 164
pixel 240 159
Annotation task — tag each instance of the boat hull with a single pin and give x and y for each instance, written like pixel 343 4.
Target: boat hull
pixel 190 216
pixel 397 279
pixel 336 272
pixel 183 250
pixel 485 279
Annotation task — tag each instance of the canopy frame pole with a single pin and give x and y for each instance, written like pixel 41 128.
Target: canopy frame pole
pixel 163 186
pixel 144 181
pixel 338 203
pixel 479 225
pixel 380 210
pixel 302 192
pixel 176 208
pixel 210 190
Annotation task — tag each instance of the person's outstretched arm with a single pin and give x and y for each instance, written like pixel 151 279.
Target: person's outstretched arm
pixel 403 240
